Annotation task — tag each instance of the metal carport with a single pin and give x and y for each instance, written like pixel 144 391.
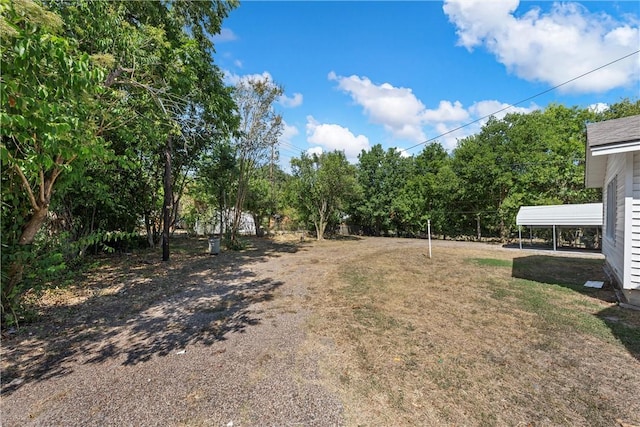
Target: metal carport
pixel 584 215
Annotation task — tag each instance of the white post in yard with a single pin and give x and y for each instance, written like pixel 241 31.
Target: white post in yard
pixel 554 238
pixel 429 235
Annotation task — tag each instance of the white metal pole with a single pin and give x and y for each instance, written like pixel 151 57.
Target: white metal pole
pixel 429 235
pixel 554 237
pixel 520 235
pixel 530 236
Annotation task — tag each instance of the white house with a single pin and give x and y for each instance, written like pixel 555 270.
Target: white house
pixel 212 226
pixel 613 164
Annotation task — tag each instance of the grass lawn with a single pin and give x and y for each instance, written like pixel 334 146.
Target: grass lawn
pixel 474 337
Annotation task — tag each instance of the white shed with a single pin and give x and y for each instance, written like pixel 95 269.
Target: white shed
pixel 613 164
pixel 583 215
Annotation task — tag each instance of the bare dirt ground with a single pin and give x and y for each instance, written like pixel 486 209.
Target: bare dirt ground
pixel 351 332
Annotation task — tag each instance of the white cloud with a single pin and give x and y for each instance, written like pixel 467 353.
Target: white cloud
pixel 406 118
pixel 395 108
pixel 335 137
pixel 446 112
pixel 226 35
pixel 552 47
pixel 233 78
pixel 498 109
pixel 291 102
pixel 477 115
pixel 315 150
pixel 402 152
pixel 288 132
pixel 237 63
pixel 599 107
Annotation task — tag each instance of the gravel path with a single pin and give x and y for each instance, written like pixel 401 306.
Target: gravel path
pixel 227 350
pixel 226 346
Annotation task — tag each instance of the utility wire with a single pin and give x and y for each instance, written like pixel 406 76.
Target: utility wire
pixel 289 146
pixel 520 102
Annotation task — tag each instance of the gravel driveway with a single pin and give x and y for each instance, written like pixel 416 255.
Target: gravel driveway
pixel 227 349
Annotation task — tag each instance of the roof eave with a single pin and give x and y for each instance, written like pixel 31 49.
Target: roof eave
pixel 594 171
pixel 596 161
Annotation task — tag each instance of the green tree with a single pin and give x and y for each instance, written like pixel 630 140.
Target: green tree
pixel 173 103
pixel 122 92
pixel 381 175
pixel 215 183
pixel 323 185
pixel 47 124
pixel 623 108
pixel 522 159
pixel 264 195
pixel 260 128
pixel 418 200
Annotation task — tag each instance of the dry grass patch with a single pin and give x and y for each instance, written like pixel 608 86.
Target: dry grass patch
pixel 477 338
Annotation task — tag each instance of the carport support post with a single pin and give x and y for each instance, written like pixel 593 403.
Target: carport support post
pixel 554 238
pixel 531 235
pixel 520 235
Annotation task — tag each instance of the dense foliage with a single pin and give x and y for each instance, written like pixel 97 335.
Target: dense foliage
pixel 321 188
pixel 105 108
pixel 477 189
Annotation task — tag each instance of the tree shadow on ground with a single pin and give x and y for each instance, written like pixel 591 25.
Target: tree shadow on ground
pixel 572 273
pixel 136 307
pixel 344 237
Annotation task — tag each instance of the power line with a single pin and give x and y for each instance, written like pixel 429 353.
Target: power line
pixel 288 146
pixel 520 102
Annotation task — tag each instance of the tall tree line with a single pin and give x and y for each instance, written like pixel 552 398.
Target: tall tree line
pixel 477 189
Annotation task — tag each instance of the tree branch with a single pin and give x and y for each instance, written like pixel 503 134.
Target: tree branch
pixel 27 186
pixel 55 174
pixel 114 74
pixel 42 184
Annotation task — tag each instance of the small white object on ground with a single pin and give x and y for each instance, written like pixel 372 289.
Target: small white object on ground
pixel 181 351
pixel 594 284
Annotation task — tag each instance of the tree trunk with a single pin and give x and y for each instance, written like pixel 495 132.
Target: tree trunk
pixel 256 224
pixel 175 207
pixel 33 225
pixel 16 269
pixel 222 207
pixel 40 206
pixel 150 231
pixel 321 224
pixel 318 233
pixel 168 200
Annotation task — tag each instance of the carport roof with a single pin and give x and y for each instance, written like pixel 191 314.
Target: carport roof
pixel 588 214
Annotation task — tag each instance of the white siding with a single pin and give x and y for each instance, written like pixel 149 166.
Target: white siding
pixel 613 248
pixel 635 228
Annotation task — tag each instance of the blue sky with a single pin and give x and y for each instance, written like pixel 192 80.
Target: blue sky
pixel 359 73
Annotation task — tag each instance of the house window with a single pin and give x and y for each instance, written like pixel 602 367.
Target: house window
pixel 612 207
